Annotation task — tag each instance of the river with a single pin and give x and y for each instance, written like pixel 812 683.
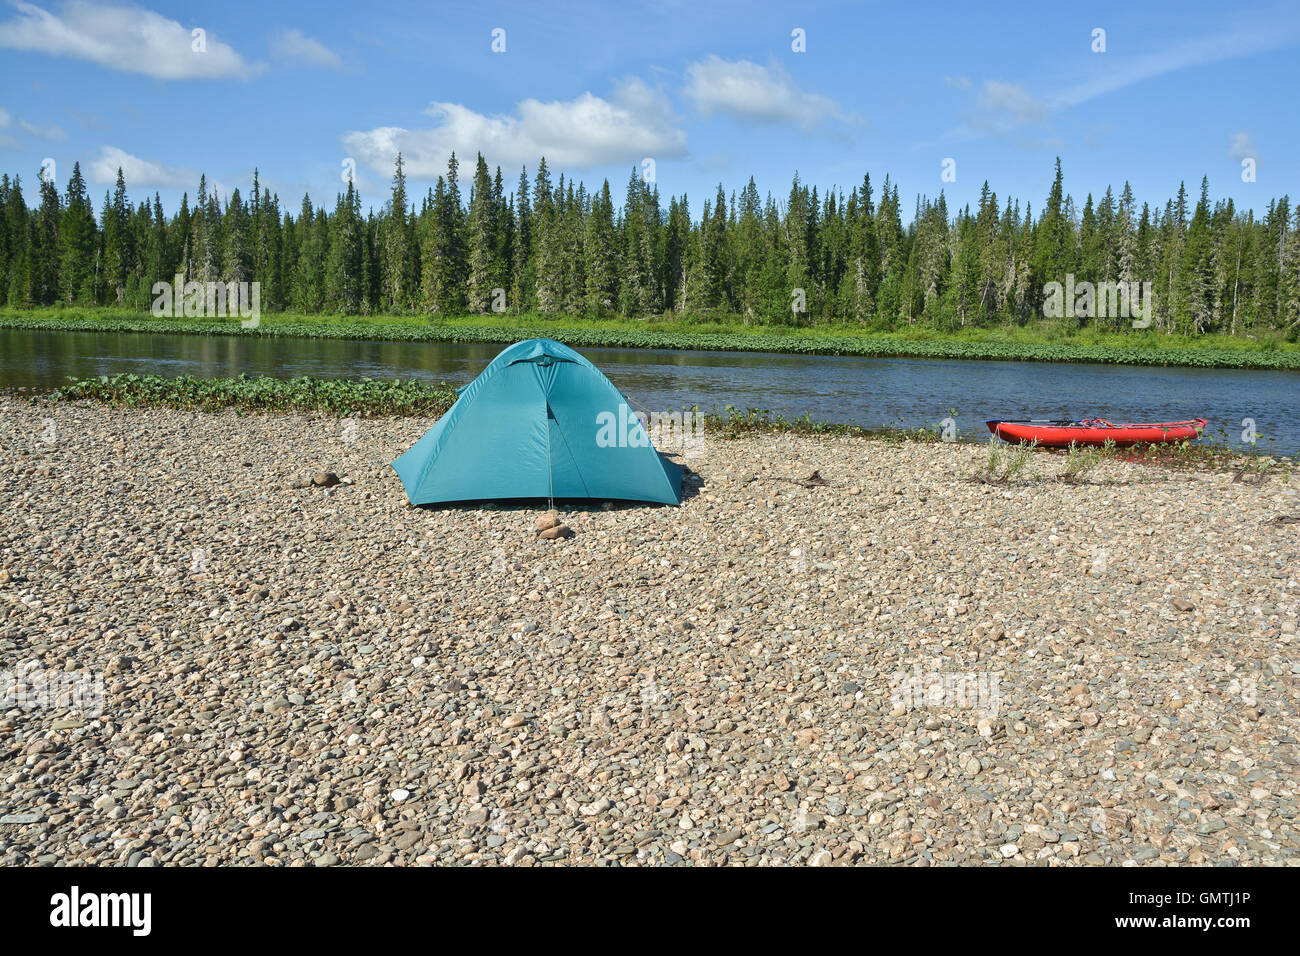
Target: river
pixel 863 391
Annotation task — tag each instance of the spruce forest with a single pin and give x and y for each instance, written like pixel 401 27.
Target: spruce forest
pixel 552 247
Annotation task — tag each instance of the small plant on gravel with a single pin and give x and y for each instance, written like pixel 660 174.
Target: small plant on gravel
pixel 1005 463
pixel 1020 459
pixel 731 422
pixel 1081 460
pixel 997 453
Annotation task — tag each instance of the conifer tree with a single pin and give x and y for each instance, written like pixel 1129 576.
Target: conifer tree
pixel 482 240
pixel 78 243
pixel 398 260
pixel 45 246
pixel 344 266
pixel 599 257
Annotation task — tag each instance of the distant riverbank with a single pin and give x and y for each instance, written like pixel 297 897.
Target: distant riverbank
pixel 1027 344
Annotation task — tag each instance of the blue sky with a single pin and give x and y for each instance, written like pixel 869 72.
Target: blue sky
pixel 710 91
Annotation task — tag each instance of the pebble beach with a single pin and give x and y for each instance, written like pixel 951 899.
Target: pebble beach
pixel 893 665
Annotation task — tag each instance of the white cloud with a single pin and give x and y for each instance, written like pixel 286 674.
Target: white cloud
pixel 1239 41
pixel 126 38
pixel 1000 104
pixel 296 45
pixel 139 172
pixel 52 132
pixel 756 93
pixel 635 122
pixel 1243 145
pixel 957 82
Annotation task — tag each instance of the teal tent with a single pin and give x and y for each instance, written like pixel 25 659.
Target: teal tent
pixel 539 422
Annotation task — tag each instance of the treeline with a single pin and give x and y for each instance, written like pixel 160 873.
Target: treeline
pixel 553 247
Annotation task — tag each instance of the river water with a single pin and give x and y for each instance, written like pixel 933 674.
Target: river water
pixel 862 391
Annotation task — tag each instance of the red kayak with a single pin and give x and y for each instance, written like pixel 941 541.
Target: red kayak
pixel 1094 431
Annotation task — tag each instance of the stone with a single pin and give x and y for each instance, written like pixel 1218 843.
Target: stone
pixel 20 819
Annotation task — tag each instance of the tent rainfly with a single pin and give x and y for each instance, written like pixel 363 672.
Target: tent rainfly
pixel 539 422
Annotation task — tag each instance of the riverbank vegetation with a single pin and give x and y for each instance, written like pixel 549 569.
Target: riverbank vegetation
pixel 1036 344
pixel 822 258
pixel 368 398
pixel 344 397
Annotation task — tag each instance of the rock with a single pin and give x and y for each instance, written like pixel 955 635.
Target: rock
pixel 548 520
pixel 1182 604
pixel 515 855
pixel 20 819
pixel 324 479
pixel 398 795
pixel 514 720
pixel 555 533
pixel 407 840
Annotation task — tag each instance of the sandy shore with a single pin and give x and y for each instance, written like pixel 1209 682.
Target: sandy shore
pixel 900 666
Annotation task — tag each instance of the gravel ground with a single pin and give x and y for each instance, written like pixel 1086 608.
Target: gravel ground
pixel 900 666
